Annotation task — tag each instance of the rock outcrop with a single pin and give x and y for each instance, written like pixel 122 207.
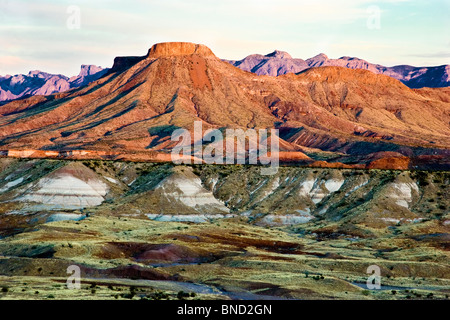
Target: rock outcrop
pixel 171 49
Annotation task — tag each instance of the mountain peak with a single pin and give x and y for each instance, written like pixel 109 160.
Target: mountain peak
pixel 320 56
pixel 279 54
pixel 38 74
pixel 169 49
pixel 317 60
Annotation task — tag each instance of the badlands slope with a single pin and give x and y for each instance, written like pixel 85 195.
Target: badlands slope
pixel 147 231
pixel 164 192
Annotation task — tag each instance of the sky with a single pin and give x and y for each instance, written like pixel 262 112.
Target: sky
pixel 58 36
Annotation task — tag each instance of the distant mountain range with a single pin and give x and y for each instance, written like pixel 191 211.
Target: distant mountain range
pixel 42 83
pixel 278 63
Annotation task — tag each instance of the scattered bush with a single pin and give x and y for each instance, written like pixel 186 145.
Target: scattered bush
pixel 160 295
pixel 128 295
pixel 181 295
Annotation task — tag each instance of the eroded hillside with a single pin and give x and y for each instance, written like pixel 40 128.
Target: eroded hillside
pixel 150 231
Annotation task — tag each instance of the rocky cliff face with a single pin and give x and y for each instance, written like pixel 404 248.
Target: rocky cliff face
pixel 173 49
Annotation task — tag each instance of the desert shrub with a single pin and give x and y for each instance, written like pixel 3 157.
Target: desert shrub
pixel 181 295
pixel 421 177
pixel 160 295
pixel 128 295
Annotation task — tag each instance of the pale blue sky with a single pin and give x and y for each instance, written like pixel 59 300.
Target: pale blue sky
pixel 34 34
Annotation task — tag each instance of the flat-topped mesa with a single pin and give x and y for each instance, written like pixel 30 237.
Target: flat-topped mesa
pixel 170 49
